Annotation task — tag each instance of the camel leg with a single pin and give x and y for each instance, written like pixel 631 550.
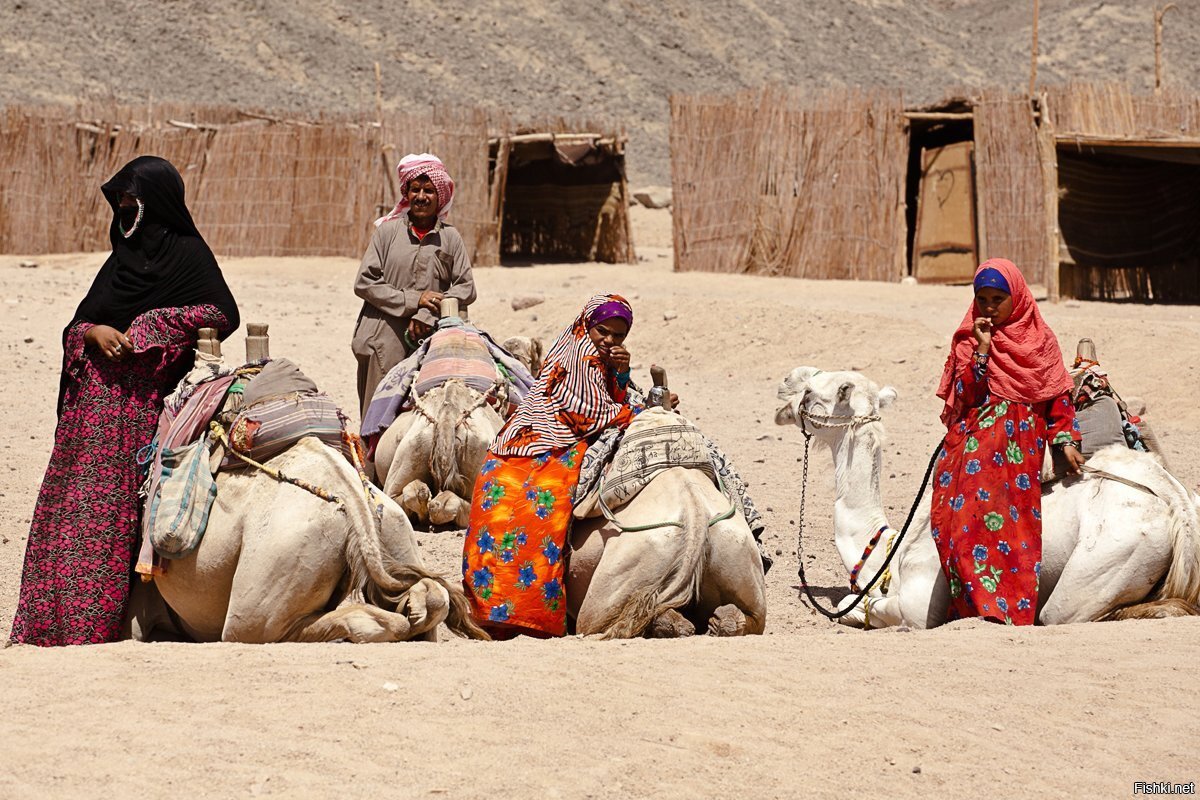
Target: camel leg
pixel 355 623
pixel 146 616
pixel 733 588
pixel 420 611
pixel 448 507
pixel 1114 565
pixel 415 500
pixel 727 620
pixel 670 625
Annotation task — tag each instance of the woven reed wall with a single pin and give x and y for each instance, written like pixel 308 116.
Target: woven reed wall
pixel 256 185
pixel 1130 226
pixel 778 182
pixel 1009 183
pixel 1111 110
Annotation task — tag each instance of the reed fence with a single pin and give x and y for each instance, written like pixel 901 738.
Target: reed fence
pixel 778 182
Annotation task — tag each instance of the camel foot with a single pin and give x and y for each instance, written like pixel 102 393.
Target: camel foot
pixel 414 499
pixel 449 508
pixel 670 625
pixel 727 620
pixel 426 605
pixel 1157 609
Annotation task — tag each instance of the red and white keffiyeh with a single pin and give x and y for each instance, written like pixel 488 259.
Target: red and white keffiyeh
pixel 414 165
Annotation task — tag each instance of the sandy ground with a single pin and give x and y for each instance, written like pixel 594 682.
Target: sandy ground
pixel 809 709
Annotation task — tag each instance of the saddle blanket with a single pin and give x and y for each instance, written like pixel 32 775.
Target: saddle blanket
pixel 457 353
pixel 656 440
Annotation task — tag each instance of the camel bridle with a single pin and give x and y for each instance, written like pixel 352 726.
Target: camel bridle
pixel 850 423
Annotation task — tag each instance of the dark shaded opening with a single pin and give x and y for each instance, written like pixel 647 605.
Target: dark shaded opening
pixel 923 135
pixel 1130 223
pixel 564 202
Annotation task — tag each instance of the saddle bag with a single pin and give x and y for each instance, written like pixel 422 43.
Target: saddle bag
pixel 182 499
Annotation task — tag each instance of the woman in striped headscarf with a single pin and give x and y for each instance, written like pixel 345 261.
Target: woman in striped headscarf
pixel 521 508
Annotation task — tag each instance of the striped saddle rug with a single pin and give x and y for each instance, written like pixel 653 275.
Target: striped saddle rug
pixel 457 353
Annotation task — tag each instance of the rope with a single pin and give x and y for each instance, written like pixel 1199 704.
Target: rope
pixel 894 545
pixel 218 431
pixel 608 514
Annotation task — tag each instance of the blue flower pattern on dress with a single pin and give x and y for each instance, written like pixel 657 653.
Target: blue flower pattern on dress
pixel 986 495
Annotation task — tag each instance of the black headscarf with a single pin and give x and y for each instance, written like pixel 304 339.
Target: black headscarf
pixel 164 264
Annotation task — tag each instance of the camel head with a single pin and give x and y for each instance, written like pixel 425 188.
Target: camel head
pixel 836 397
pixel 527 350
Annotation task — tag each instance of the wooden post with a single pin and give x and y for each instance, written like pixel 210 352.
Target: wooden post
pixel 378 94
pixel 496 198
pixel 660 395
pixel 208 343
pixel 258 343
pixel 1034 56
pixel 1159 13
pixel 1048 156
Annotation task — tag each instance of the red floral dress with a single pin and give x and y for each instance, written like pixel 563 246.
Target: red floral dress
pixel 987 502
pixel 75 582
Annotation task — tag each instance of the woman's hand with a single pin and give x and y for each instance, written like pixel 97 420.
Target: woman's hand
pixel 1074 459
pixel 674 401
pixel 982 331
pixel 111 342
pixel 618 358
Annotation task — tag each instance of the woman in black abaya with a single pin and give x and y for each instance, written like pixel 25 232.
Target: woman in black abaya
pixel 126 347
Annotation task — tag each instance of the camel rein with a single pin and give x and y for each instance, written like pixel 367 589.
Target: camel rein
pixel 824 421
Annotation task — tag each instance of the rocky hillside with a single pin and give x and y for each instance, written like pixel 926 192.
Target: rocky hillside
pixel 613 59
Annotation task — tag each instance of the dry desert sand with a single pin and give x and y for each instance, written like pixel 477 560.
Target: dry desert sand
pixel 808 710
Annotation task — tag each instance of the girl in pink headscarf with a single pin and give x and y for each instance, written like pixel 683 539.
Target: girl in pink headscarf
pixel 415 259
pixel 1006 393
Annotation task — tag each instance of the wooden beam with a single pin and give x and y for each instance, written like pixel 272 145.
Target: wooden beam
pixel 1091 140
pixel 932 116
pixel 1048 156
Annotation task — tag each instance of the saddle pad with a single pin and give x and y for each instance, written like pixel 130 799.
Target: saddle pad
pixel 267 428
pixel 457 353
pixel 656 440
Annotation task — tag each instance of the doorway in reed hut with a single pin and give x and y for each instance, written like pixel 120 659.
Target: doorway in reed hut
pixel 1129 219
pixel 561 197
pixel 943 238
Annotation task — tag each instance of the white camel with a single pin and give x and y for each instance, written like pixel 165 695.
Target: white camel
pixel 280 564
pixel 1110 550
pixel 705 574
pixel 429 457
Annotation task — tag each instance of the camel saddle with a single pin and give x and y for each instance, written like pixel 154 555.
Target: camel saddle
pixel 656 440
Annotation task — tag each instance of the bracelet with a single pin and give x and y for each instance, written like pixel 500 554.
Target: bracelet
pixel 980 358
pixel 1068 443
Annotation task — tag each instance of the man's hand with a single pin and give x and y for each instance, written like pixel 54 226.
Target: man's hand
pixel 417 330
pixel 433 301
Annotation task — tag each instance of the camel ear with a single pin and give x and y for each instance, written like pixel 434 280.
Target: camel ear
pixel 787 415
pixel 887 396
pixel 795 383
pixel 536 351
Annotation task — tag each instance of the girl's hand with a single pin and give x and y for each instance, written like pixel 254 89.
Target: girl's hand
pixel 111 342
pixel 618 358
pixel 1074 459
pixel 674 401
pixel 982 331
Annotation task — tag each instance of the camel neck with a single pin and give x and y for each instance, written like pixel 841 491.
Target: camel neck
pixel 858 509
